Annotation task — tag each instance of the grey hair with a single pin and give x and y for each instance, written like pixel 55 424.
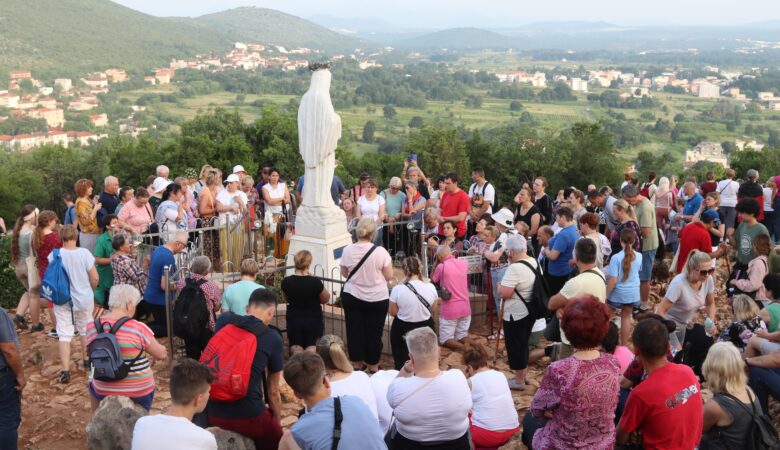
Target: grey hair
pixel 109 179
pixel 365 228
pixel 443 250
pixel 422 344
pixel 395 182
pixel 413 169
pixel 123 296
pixel 161 168
pixel 179 235
pixel 752 174
pixel 630 190
pixel 516 243
pixel 431 212
pixel 201 265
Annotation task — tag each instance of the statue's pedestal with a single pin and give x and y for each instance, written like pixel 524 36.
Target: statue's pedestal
pixel 323 232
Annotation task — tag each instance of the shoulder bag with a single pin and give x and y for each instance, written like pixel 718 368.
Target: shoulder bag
pixel 420 297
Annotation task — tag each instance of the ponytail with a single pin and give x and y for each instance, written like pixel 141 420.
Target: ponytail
pixel 331 349
pixel 627 239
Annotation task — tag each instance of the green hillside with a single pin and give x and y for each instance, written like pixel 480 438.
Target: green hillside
pixel 460 39
pixel 72 36
pixel 273 27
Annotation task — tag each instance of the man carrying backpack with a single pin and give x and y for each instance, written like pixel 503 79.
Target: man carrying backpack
pixel 238 355
pixel 196 307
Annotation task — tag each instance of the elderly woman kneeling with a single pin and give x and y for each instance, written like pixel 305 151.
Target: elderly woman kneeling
pixel 135 340
pixel 431 406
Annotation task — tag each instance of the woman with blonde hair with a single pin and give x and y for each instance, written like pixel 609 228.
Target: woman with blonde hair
pixel 728 416
pixel 412 304
pixel 694 288
pixel 747 322
pixel 201 183
pixel 664 203
pixel 343 379
pixel 626 217
pixel 365 299
pixel 23 260
pixel 304 294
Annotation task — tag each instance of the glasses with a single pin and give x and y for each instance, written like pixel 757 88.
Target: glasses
pixel 707 272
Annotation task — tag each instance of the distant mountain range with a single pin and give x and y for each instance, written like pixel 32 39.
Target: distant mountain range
pixel 459 39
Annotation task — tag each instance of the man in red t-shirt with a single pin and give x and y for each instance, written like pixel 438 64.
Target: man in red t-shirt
pixel 454 204
pixel 696 236
pixel 667 406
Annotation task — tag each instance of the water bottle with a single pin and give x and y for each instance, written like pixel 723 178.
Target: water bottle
pixel 708 326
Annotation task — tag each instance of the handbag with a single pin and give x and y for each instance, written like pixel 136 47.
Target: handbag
pixel 392 430
pixel 33 277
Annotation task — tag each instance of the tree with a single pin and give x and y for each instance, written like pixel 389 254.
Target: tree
pixel 416 122
pixel 766 161
pixel 773 140
pixel 679 117
pixel 728 147
pixel 473 102
pixel 369 129
pixel 389 112
pixel 439 150
pixel 515 106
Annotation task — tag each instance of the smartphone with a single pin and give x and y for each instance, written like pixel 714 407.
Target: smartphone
pixel 412 157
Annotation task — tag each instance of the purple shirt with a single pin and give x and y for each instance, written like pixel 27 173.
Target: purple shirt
pixel 582 396
pixel 452 274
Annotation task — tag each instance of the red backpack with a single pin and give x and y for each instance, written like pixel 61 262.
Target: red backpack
pixel 645 192
pixel 229 355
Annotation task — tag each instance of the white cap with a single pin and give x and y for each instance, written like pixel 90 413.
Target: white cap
pixel 238 168
pixel 160 184
pixel 504 217
pixel 232 178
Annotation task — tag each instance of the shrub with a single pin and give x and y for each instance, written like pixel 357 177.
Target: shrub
pixel 10 288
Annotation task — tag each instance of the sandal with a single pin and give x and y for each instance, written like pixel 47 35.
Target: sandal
pixel 21 322
pixel 64 376
pixel 36 328
pixel 497 335
pixel 515 386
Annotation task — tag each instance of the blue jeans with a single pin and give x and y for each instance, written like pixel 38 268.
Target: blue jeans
pixel 646 272
pixel 10 411
pixel 765 382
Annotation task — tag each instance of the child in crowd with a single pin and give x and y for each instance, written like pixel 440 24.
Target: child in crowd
pixel 610 345
pixel 746 324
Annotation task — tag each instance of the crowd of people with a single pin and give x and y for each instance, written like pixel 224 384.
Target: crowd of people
pixel 575 271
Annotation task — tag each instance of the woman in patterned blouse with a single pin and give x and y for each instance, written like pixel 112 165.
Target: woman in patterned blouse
pixel 123 264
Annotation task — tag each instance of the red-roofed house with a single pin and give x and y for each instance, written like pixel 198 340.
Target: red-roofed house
pixel 116 75
pixel 47 102
pixel 163 76
pixel 53 117
pixel 99 120
pixel 96 81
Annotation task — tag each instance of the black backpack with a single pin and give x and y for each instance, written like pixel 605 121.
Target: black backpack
pixel 762 434
pixel 540 297
pixel 190 313
pixel 105 354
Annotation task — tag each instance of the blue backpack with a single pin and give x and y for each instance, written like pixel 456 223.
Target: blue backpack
pixel 55 286
pixel 105 353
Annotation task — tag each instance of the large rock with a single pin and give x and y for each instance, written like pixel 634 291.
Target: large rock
pixel 111 427
pixel 228 440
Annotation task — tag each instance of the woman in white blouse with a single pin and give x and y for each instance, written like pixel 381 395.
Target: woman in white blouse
pixel 343 379
pixel 275 194
pixel 372 205
pixel 412 304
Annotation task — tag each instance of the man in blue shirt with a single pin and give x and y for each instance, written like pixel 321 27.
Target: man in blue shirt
pixel 336 189
pixel 154 296
pixel 108 198
pixel 560 250
pixel 693 203
pixel 12 382
pixel 305 373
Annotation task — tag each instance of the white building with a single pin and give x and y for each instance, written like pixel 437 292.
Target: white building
pixel 579 85
pixel 709 90
pixel 706 151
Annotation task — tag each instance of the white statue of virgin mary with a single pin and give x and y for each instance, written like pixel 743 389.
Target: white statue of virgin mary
pixel 319 129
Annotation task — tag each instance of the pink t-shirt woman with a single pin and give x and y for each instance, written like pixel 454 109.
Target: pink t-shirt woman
pixel 452 274
pixel 368 283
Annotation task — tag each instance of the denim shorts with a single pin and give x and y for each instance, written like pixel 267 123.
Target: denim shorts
pixel 620 306
pixel 646 272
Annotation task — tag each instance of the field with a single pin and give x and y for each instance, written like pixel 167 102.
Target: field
pixel 493 112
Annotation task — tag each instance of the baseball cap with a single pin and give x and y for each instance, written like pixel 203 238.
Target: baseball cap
pixel 710 216
pixel 232 178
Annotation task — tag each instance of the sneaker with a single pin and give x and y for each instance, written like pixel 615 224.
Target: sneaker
pixel 64 377
pixel 497 335
pixel 52 333
pixel 21 322
pixel 36 328
pixel 515 386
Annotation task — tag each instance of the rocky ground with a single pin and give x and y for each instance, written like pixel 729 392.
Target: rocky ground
pixel 55 415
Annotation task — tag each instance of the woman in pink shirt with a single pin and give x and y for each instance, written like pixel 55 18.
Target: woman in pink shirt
pixel 137 214
pixel 451 274
pixel 365 297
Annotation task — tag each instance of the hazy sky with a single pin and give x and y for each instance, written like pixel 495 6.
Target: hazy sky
pixel 495 13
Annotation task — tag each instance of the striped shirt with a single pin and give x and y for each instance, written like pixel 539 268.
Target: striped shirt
pixel 133 337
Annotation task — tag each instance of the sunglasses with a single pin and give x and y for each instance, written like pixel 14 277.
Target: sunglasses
pixel 706 272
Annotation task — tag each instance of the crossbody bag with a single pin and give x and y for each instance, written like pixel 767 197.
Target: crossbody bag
pixel 419 297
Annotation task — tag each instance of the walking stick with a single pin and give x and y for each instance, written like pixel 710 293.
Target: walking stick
pixel 500 326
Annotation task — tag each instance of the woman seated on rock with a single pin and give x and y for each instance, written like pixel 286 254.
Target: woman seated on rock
pixel 431 406
pixel 493 414
pixel 344 380
pixel 135 340
pixel 727 416
pixel 580 391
